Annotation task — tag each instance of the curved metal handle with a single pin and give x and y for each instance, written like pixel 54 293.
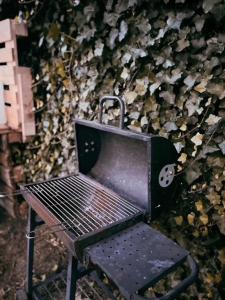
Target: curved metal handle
pixel 122 108
pixel 172 294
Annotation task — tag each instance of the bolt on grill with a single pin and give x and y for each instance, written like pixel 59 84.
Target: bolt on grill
pixel 81 205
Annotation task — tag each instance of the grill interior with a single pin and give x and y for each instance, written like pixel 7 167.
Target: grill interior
pixel 81 205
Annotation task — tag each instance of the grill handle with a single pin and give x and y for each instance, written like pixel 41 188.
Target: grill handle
pixel 115 99
pixel 172 294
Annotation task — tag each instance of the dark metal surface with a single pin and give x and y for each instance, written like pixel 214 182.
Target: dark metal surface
pixel 54 288
pixel 30 252
pixel 123 167
pixel 135 258
pixel 126 162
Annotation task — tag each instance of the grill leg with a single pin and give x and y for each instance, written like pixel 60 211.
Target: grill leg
pixel 30 252
pixel 72 276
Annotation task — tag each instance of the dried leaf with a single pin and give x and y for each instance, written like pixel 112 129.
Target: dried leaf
pixel 191 218
pixel 123 30
pixel 209 4
pixel 212 120
pixel 170 126
pixel 125 73
pixel 192 173
pixel 197 139
pixel 204 219
pixel 182 158
pixel 199 206
pixel 179 220
pixel 99 46
pixel 130 97
pixel 222 147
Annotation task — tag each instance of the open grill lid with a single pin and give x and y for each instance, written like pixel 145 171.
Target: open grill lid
pixel 138 167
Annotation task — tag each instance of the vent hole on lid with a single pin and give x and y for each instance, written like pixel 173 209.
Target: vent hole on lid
pixel 136 283
pixel 121 269
pixel 162 178
pixel 166 169
pixel 167 181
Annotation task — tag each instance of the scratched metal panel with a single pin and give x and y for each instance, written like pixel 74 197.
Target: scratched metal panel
pixel 2 105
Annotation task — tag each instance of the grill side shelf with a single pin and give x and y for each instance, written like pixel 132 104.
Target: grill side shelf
pixel 136 258
pixel 91 238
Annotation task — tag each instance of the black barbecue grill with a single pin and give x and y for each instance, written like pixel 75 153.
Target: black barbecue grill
pixel 124 180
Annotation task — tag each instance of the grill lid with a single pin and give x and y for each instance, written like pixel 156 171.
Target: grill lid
pixel 129 163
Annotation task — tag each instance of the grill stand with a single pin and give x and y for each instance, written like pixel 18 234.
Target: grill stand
pixel 72 272
pixel 72 277
pixel 116 266
pixel 30 251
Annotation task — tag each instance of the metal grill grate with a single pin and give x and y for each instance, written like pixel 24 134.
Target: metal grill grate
pixel 81 204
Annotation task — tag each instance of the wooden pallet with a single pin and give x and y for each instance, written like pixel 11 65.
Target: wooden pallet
pixel 16 98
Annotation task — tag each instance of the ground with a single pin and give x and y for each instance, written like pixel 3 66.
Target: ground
pixel 50 255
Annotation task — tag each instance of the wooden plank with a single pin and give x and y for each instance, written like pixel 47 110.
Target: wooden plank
pixel 12 45
pixel 13 117
pixel 4 143
pixel 4 129
pixel 5 31
pixel 2 106
pixel 20 29
pixel 10 96
pixel 14 137
pixel 24 80
pixel 6 55
pixel 7 75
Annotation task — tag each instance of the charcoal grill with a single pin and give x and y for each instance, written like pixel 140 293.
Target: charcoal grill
pixel 124 180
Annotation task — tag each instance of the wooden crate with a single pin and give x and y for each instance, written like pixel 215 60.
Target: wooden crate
pixel 16 98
